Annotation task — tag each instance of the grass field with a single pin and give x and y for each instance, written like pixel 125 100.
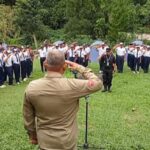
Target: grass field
pixel 117 121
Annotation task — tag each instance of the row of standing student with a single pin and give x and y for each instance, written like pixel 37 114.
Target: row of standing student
pixel 137 56
pixel 74 53
pixel 15 63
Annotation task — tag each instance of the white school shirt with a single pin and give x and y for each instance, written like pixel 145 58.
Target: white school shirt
pixel 81 53
pixel 61 49
pixel 27 55
pixel 1 60
pixel 16 58
pixel 102 51
pixel 8 63
pixel 21 56
pixel 137 55
pixel 87 50
pixel 131 51
pixel 71 53
pixel 147 53
pixel 42 53
pixel 120 51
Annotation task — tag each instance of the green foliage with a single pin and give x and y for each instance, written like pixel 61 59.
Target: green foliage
pixel 8 2
pixel 82 16
pixel 7 27
pixel 29 19
pixel 145 14
pixel 122 18
pixel 36 20
pixel 139 2
pixel 53 13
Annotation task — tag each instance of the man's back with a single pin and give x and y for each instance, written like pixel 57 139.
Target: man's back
pixel 55 100
pixel 51 103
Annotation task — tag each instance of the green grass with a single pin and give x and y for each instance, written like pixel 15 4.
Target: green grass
pixel 113 125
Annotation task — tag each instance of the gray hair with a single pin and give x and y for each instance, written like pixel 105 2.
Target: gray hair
pixel 55 58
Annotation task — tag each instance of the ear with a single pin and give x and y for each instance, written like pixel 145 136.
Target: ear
pixel 64 66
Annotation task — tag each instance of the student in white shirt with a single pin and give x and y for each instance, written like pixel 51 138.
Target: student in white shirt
pixel 80 55
pixel 87 50
pixel 130 56
pixel 120 55
pixel 8 66
pixel 23 64
pixel 42 54
pixel 1 69
pixel 137 59
pixel 16 65
pixel 146 60
pixel 71 53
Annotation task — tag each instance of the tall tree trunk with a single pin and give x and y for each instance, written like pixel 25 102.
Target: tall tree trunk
pixel 35 41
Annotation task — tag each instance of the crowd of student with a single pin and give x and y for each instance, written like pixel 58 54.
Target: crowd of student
pixel 137 56
pixel 73 52
pixel 15 63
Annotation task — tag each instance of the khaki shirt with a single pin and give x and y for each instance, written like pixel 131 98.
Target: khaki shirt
pixel 51 104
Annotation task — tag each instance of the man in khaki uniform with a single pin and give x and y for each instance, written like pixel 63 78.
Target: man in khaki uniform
pixel 51 103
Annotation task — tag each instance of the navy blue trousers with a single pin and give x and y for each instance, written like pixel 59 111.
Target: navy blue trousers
pixel 16 69
pixel 137 64
pixel 29 66
pixel 23 69
pixel 146 62
pixel 9 72
pixel 1 76
pixel 120 63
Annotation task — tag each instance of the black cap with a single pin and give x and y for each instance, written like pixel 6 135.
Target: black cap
pixel 108 49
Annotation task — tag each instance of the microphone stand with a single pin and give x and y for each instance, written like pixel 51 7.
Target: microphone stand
pixel 86 145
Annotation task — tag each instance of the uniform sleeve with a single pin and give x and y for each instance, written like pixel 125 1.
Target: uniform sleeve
pixel 28 115
pixel 89 85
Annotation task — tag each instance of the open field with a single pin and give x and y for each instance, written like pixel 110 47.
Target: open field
pixel 117 121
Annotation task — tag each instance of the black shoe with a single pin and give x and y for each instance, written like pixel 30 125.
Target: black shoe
pixel 105 90
pixel 109 90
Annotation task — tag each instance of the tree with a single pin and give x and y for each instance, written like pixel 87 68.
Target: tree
pixel 145 14
pixel 53 13
pixel 139 2
pixel 8 2
pixel 7 27
pixel 102 23
pixel 82 16
pixel 29 19
pixel 122 18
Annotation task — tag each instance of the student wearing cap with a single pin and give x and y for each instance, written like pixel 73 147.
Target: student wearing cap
pixel 23 64
pixel 16 65
pixel 42 54
pixel 71 53
pixel 1 69
pixel 120 55
pixel 137 59
pixel 9 66
pixel 146 60
pixel 130 56
pixel 87 50
pixel 28 61
pixel 80 55
pixel 108 65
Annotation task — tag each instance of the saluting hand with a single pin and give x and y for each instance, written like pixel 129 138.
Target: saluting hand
pixel 71 65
